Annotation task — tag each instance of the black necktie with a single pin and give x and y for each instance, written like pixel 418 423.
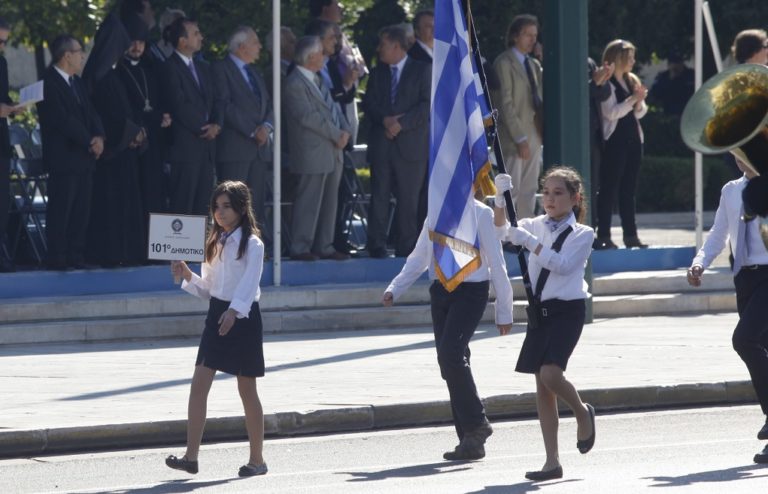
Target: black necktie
pixel 532 82
pixel 74 89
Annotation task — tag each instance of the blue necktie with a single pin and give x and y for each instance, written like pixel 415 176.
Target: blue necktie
pixel 328 100
pixel 393 85
pixel 194 74
pixel 74 90
pixel 252 81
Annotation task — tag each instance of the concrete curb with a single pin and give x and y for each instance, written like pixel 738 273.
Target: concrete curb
pixel 112 436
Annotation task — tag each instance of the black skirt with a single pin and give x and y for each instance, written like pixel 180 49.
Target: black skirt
pixel 241 351
pixel 554 340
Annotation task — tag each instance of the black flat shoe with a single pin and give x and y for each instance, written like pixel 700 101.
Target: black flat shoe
pixel 763 434
pixel 181 464
pixel 634 243
pixel 604 244
pixel 541 475
pixel 586 445
pixel 762 457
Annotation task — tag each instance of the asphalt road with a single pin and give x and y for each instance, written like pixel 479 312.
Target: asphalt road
pixel 706 450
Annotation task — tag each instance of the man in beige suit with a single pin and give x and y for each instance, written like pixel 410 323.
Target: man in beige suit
pixel 317 134
pixel 519 101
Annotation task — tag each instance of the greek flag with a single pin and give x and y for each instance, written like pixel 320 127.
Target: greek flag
pixel 458 157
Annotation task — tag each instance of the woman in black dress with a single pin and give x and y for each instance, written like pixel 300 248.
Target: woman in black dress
pixel 561 307
pixel 232 339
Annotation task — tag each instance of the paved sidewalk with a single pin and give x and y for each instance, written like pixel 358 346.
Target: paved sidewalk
pixel 78 396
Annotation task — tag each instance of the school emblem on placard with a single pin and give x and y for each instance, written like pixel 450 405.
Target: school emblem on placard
pixel 177 225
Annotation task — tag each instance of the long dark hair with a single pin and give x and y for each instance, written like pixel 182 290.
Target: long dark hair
pixel 240 200
pixel 573 184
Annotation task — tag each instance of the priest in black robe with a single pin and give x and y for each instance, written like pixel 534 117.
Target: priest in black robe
pixel 116 232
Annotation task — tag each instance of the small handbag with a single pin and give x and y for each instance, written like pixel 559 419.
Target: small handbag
pixel 534 310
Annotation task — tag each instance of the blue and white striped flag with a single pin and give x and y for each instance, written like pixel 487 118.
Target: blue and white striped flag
pixel 458 148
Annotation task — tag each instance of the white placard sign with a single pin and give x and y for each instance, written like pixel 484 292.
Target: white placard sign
pixel 31 94
pixel 176 237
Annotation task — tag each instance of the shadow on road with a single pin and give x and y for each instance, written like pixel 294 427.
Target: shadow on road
pixel 171 487
pixel 409 471
pixel 520 488
pixel 726 475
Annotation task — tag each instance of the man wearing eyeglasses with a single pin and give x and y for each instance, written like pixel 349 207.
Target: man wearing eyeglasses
pixel 6 109
pixel 73 139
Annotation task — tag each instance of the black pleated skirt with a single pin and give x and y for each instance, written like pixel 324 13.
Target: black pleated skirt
pixel 241 351
pixel 553 342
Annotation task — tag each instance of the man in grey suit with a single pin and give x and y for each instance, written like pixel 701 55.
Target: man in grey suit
pixel 244 148
pixel 519 100
pixel 397 105
pixel 194 108
pixel 317 134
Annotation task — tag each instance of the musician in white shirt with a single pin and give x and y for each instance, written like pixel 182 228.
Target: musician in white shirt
pixel 455 317
pixel 750 270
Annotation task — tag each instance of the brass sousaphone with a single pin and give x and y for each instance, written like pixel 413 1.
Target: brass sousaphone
pixel 729 113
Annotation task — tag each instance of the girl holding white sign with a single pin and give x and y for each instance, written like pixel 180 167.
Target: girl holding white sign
pixel 232 340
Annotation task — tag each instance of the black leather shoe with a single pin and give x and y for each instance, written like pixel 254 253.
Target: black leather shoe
pixel 604 244
pixel 763 434
pixel 378 253
pixel 181 464
pixel 586 445
pixel 634 243
pixel 464 452
pixel 762 457
pixel 541 475
pixel 479 434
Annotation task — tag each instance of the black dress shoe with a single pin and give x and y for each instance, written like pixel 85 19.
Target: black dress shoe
pixel 604 244
pixel 763 434
pixel 465 452
pixel 541 475
pixel 304 256
pixel 762 457
pixel 586 445
pixel 634 243
pixel 378 253
pixel 181 464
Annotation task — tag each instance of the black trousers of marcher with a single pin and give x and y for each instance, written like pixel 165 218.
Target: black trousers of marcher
pixel 455 316
pixel 750 339
pixel 619 170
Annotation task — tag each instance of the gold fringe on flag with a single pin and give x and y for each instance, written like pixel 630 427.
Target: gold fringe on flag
pixel 450 284
pixel 483 181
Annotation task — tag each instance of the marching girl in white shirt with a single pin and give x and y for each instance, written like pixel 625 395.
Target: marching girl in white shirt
pixel 232 340
pixel 455 316
pixel 548 347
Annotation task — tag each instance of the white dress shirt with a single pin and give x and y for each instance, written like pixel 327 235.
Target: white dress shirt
pixel 492 264
pixel 231 279
pixel 566 278
pixel 726 228
pixel 612 111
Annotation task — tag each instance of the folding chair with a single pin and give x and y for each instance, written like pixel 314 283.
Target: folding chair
pixel 29 193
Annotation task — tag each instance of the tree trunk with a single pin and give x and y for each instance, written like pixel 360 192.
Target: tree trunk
pixel 40 60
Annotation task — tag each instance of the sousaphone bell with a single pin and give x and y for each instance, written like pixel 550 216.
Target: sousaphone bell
pixel 729 113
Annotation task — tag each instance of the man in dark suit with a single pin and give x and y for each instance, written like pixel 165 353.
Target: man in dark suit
pixel 244 148
pixel 73 139
pixel 6 110
pixel 424 30
pixel 397 104
pixel 197 120
pixel 317 133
